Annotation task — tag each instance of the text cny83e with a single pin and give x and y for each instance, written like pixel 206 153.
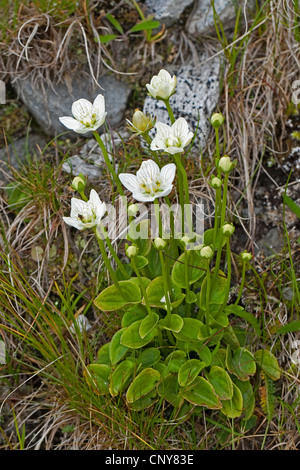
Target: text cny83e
pixel 152 458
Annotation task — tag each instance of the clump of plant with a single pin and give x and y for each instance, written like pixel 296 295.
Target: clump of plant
pixel 177 342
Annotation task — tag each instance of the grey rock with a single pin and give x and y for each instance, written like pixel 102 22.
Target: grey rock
pixel 197 94
pixel 272 242
pixel 48 103
pixel 167 11
pixel 201 20
pixel 16 153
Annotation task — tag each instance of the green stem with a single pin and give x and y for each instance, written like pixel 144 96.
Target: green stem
pixel 170 111
pixel 217 215
pixel 114 254
pixel 224 199
pixel 228 252
pixel 157 216
pixel 207 297
pixel 183 192
pixel 106 261
pixel 218 152
pixel 218 259
pixel 242 283
pixel 187 285
pixel 108 162
pixel 165 280
pixel 136 270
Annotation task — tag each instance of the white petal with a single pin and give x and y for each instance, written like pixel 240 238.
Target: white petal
pixel 180 128
pixel 151 90
pixel 164 75
pixel 77 207
pixel 129 181
pixel 168 174
pixel 141 197
pixel 164 90
pixel 74 223
pixel 173 150
pixel 70 123
pixel 101 211
pixel 188 139
pixel 148 170
pixel 157 143
pixel 165 192
pixel 81 108
pixel 99 104
pixel 94 198
pixel 162 130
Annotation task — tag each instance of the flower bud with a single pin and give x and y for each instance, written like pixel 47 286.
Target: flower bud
pixel 132 210
pixel 225 164
pixel 206 252
pixel 78 183
pixel 159 244
pixel 246 256
pixel 141 123
pixel 131 251
pixel 217 120
pixel 216 183
pixel 228 230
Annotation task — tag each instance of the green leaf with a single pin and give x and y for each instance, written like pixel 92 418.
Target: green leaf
pixel 144 383
pixel 239 311
pixel 133 314
pixel 172 322
pixel 131 336
pixel 139 234
pixel 208 238
pixel 168 389
pixel 115 23
pixel 248 397
pixel 145 25
pixel 189 371
pixel 292 205
pixel 120 276
pixel 241 363
pixel 149 357
pixel 117 350
pixel 111 299
pixel 120 377
pixel 161 368
pixel 141 261
pixel 233 407
pixel 190 330
pixel 147 325
pixel 221 382
pixel 144 402
pixel 97 377
pixel 218 290
pixel 289 327
pixel 205 354
pixel 202 393
pixel 196 268
pixel 104 39
pixel 153 268
pixel 268 363
pixel 175 360
pixel 103 355
pixel 155 292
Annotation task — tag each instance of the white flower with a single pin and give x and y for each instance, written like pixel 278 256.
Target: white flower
pixel 88 116
pixel 149 182
pixel 172 139
pixel 86 214
pixel 162 85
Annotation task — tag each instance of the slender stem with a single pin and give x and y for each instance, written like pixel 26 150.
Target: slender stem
pixel 170 111
pixel 183 192
pixel 242 283
pixel 157 216
pixel 106 260
pixel 187 285
pixel 224 200
pixel 114 254
pixel 108 163
pixel 218 259
pixel 165 280
pixel 136 270
pixel 217 215
pixel 228 253
pixel 207 297
pixel 218 152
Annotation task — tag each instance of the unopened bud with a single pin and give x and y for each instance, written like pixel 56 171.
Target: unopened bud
pixel 78 183
pixel 141 122
pixel 131 251
pixel 206 252
pixel 225 164
pixel 246 256
pixel 159 244
pixel 228 230
pixel 216 183
pixel 132 210
pixel 217 120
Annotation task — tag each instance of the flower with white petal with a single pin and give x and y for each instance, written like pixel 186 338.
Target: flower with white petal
pixel 172 139
pixel 162 86
pixel 86 214
pixel 87 116
pixel 149 182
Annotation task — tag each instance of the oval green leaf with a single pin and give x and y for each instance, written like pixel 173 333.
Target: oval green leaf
pixel 132 338
pixel 172 322
pixel 144 383
pixel 221 382
pixel 268 363
pixel 195 270
pixel 233 408
pixel 201 393
pixel 97 377
pixel 120 377
pixel 116 349
pixel 189 371
pixel 147 324
pixel 190 330
pixel 111 298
